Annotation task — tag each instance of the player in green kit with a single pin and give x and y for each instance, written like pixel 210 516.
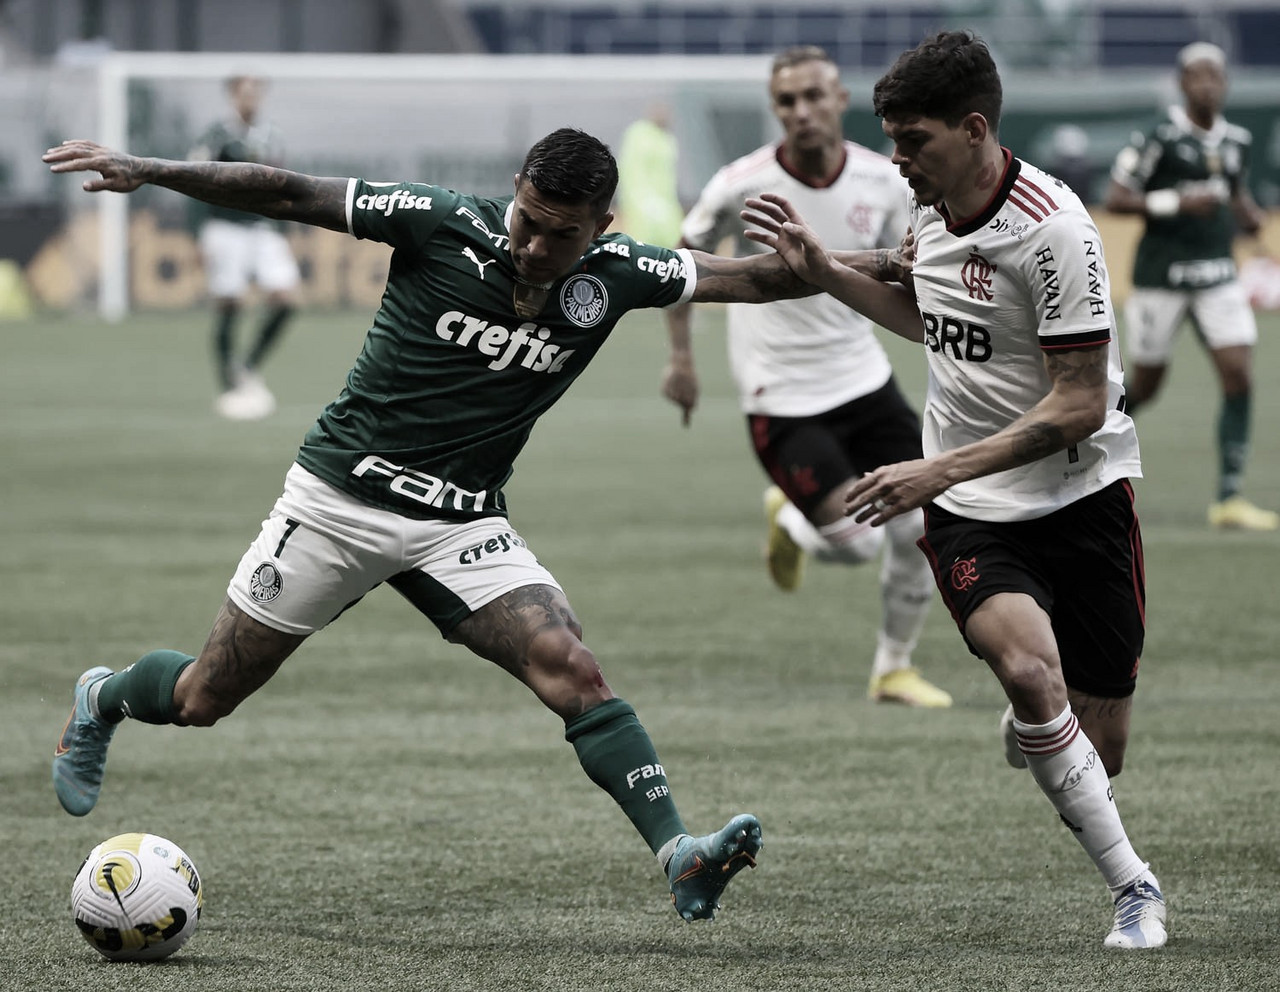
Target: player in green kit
pixel 1188 177
pixel 238 248
pixel 493 307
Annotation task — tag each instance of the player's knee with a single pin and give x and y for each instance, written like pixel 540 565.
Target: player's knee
pixel 905 566
pixel 565 669
pixel 1236 382
pixel 1030 679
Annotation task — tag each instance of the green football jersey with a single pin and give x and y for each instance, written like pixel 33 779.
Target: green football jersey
pixel 235 141
pixel 450 380
pixel 1182 251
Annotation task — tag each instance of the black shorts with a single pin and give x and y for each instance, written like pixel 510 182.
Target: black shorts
pixel 809 457
pixel 1082 564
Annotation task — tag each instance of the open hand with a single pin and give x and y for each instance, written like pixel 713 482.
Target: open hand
pixel 780 226
pixel 120 173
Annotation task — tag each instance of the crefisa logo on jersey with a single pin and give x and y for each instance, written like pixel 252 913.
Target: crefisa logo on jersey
pixel 266 582
pixel 584 300
pixel 976 274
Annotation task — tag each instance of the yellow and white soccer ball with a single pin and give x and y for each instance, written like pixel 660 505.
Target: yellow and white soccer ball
pixel 137 897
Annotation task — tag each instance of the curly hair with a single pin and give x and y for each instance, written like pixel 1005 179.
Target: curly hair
pixel 947 77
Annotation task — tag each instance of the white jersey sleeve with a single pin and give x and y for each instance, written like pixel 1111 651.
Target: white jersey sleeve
pixel 714 216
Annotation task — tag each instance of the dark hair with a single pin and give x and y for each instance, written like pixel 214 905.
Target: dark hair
pixel 798 55
pixel 573 167
pixel 947 77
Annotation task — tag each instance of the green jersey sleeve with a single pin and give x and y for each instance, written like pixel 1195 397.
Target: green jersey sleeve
pixel 633 275
pixel 403 215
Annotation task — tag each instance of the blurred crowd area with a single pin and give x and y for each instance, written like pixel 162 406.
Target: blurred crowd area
pixel 454 91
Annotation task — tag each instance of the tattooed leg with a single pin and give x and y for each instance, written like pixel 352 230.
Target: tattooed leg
pixel 532 633
pixel 239 658
pixel 1106 722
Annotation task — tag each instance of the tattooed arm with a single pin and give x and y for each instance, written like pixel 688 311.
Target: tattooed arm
pixel 259 189
pixel 768 277
pixel 751 279
pixel 1073 409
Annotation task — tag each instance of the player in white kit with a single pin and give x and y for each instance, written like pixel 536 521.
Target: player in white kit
pixel 1029 517
pixel 821 403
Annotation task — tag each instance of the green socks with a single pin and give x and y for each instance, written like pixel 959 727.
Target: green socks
pixel 223 345
pixel 1233 443
pixel 144 690
pixel 616 753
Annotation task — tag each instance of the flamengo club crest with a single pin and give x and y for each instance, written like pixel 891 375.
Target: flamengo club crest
pixel 583 299
pixel 976 275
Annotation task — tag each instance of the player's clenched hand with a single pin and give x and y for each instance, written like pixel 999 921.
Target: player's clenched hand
pixel 119 172
pixel 903 258
pixel 892 490
pixel 680 386
pixel 780 226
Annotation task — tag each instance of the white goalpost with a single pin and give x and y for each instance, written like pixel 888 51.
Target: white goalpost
pixel 454 120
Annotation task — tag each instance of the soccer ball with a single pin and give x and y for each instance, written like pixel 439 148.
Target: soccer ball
pixel 137 897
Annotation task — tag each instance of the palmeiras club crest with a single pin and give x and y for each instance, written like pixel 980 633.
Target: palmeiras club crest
pixel 266 582
pixel 583 299
pixel 976 274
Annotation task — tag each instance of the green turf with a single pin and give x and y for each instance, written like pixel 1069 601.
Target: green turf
pixel 392 814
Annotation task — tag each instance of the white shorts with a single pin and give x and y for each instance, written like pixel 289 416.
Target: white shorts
pixel 320 551
pixel 1153 318
pixel 237 254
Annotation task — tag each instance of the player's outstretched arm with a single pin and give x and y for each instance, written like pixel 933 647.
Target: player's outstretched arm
pixel 751 279
pixel 258 189
pixel 892 305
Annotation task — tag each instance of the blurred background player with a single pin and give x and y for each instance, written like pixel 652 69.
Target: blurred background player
pixel 239 248
pixel 821 402
pixel 648 188
pixel 1187 177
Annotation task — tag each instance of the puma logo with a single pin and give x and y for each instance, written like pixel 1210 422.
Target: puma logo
pixel 478 264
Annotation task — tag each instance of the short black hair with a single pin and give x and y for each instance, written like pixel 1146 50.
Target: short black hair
pixel 947 77
pixel 571 166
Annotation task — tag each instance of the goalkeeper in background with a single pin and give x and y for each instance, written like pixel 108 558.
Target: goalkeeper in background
pixel 239 248
pixel 647 186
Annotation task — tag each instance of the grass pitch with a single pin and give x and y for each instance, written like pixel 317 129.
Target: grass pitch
pixel 390 813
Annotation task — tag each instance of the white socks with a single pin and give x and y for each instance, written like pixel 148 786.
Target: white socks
pixel 906 582
pixel 891 655
pixel 843 541
pixel 1066 766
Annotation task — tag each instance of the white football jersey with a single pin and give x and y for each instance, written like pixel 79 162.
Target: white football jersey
pixel 996 291
pixel 797 358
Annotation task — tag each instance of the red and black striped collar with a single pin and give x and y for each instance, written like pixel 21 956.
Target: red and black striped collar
pixel 968 225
